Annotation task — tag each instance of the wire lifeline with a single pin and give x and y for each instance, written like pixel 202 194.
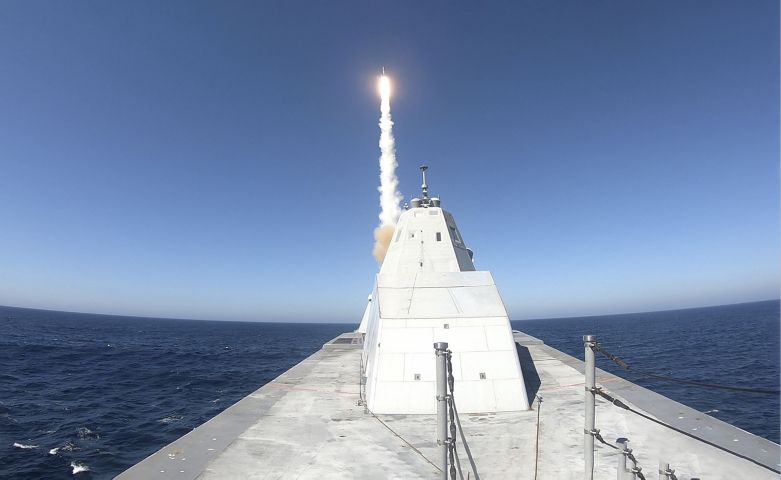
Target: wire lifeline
pixel 458 464
pixel 452 439
pixel 466 445
pixel 620 404
pixel 598 436
pixel 636 470
pixel 537 437
pixel 452 442
pixel 451 384
pixel 669 473
pixel 405 441
pixel 621 363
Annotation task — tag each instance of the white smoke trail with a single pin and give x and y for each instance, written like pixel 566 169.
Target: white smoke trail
pixel 390 198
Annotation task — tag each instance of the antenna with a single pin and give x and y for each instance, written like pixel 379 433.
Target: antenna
pixel 423 169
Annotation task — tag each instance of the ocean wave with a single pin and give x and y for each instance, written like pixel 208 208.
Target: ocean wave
pixel 24 447
pixel 68 447
pixel 87 393
pixel 7 417
pixel 79 467
pixel 85 433
pixel 170 419
pixel 125 413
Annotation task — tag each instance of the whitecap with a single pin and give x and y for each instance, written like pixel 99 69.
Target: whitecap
pixel 170 418
pixel 79 467
pixel 68 447
pixel 84 433
pixel 23 446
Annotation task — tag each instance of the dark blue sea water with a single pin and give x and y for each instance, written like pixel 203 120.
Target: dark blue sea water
pixel 735 345
pixel 108 391
pixel 103 392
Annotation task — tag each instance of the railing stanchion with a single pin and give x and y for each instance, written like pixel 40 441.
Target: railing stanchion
pixel 440 349
pixel 589 342
pixel 624 473
pixel 665 472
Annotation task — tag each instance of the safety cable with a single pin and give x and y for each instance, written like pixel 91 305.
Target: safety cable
pixel 454 415
pixel 621 363
pixel 458 463
pixel 597 435
pixel 466 445
pixel 636 470
pixel 405 441
pixel 537 437
pixel 620 404
pixel 638 473
pixel 452 440
pixel 670 474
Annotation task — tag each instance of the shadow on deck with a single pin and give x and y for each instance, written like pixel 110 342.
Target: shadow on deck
pixel 530 376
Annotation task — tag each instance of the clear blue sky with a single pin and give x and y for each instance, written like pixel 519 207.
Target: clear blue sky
pixel 219 159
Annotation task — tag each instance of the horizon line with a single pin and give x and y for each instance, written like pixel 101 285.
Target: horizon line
pixel 358 322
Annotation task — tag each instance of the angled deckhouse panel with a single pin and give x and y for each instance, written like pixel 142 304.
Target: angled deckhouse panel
pixel 428 291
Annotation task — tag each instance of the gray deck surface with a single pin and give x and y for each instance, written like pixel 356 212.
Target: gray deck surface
pixel 308 424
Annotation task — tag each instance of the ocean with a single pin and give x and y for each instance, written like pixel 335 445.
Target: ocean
pixel 733 345
pixel 90 395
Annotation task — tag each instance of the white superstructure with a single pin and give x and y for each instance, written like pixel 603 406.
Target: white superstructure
pixel 428 291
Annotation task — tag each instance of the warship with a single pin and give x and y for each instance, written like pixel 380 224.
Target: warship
pixel 434 383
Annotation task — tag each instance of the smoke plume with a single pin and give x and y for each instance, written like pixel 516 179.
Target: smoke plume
pixel 390 198
pixel 382 238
